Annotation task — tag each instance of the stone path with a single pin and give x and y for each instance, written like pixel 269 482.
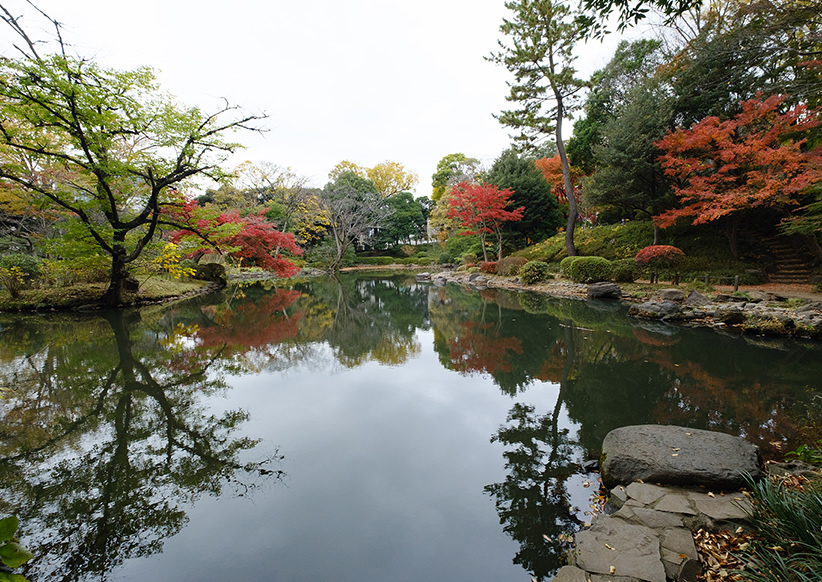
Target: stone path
pixel 649 535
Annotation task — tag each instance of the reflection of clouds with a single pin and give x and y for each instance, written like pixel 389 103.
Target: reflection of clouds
pixel 385 470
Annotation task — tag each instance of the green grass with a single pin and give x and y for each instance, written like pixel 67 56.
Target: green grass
pixel 788 525
pixel 156 288
pixel 706 249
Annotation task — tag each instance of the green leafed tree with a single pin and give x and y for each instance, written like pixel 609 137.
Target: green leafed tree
pixel 104 145
pixel 541 215
pixel 451 170
pixel 541 35
pixel 354 211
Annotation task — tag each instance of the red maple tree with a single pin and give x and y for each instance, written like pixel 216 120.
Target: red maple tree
pixel 250 239
pixel 759 158
pixel 482 209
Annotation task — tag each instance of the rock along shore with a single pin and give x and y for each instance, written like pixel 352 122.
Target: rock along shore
pixel 646 533
pixel 756 313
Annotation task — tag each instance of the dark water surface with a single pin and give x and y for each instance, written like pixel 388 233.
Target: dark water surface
pixel 363 429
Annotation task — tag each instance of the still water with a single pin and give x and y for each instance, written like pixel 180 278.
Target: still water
pixel 367 428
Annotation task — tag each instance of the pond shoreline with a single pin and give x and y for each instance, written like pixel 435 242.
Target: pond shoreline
pixel 758 313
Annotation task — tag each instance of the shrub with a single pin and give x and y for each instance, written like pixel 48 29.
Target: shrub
pixel 469 258
pixel 565 265
pixel 324 254
pixel 18 271
pixel 589 269
pixel 510 266
pixel 488 267
pixel 458 245
pixel 623 270
pixel 533 272
pixel 445 258
pixel 657 257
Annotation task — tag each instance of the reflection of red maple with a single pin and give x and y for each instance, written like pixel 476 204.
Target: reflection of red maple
pixel 554 364
pixel 475 350
pixel 757 411
pixel 654 339
pixel 254 325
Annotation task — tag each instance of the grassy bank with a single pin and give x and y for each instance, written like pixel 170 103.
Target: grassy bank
pixel 82 294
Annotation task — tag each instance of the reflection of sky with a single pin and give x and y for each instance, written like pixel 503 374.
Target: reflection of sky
pixel 385 474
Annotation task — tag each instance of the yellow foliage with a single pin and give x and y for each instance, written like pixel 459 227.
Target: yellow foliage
pixel 170 261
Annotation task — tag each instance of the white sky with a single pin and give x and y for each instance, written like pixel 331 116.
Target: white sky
pixel 360 80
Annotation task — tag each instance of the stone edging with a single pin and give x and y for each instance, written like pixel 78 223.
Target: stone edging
pixel 648 536
pixel 757 316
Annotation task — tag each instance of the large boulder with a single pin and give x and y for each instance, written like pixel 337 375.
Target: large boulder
pixel 653 309
pixel 675 455
pixel 604 290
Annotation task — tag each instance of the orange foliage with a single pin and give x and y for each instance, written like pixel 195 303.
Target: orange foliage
pixel 757 159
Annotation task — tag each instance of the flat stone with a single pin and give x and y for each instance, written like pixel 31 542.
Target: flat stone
pixel 570 574
pixel 618 496
pixel 679 540
pixel 675 455
pixel 635 552
pixel 675 503
pixel 721 507
pixel 645 493
pixel 679 568
pixel 627 513
pixel 655 519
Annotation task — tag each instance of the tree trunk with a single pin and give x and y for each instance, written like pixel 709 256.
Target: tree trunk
pixel 566 181
pixel 812 243
pixel 120 281
pixel 484 250
pixel 656 235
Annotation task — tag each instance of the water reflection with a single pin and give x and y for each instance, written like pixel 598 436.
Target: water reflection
pixel 109 435
pixel 104 439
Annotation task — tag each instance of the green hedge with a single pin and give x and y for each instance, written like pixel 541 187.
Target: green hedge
pixel 623 270
pixel 565 265
pixel 589 269
pixel 533 272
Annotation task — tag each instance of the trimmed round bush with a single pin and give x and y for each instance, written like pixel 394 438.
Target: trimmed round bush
pixel 565 265
pixel 533 272
pixel 489 267
pixel 510 266
pixel 623 271
pixel 589 270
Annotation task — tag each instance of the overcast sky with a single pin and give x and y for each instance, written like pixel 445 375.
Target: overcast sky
pixel 360 80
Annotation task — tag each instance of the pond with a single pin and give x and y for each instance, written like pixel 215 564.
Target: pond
pixel 362 428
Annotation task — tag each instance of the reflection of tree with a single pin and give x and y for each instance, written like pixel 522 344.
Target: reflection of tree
pixel 533 502
pixel 375 319
pixel 102 440
pixel 479 348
